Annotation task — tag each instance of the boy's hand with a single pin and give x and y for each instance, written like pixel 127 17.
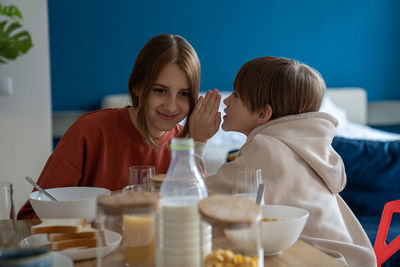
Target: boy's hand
pixel 205 119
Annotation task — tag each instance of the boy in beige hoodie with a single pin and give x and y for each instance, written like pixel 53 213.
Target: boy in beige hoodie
pixel 275 103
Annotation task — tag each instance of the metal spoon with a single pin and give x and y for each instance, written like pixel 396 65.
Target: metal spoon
pixel 260 193
pixel 35 185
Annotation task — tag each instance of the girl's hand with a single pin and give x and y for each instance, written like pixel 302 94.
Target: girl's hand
pixel 205 119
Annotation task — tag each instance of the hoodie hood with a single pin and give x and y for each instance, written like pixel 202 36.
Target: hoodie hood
pixel 310 136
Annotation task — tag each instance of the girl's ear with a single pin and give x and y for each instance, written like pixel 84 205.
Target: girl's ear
pixel 134 95
pixel 265 115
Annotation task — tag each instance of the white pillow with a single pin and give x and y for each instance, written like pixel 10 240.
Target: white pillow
pixel 340 114
pixel 353 130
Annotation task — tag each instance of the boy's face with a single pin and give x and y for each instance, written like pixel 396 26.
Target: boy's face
pixel 238 118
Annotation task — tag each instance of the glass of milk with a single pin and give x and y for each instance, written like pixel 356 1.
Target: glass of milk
pixel 246 182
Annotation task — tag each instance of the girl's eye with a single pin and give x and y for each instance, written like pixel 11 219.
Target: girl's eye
pixel 160 90
pixel 186 93
pixel 234 94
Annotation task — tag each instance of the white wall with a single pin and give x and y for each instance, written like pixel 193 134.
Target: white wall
pixel 25 116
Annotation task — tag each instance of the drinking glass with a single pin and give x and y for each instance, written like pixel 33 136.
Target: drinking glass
pixel 138 233
pixel 7 215
pixel 140 174
pixel 139 188
pixel 131 213
pixel 246 183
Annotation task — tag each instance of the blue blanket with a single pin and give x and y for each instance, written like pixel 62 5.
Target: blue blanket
pixel 373 179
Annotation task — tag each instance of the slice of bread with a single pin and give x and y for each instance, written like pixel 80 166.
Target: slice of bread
pixel 74 243
pixel 86 233
pixel 67 233
pixel 58 226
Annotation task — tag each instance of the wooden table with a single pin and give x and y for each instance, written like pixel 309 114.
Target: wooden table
pixel 300 254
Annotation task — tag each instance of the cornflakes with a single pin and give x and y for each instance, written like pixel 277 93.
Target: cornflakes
pixel 225 258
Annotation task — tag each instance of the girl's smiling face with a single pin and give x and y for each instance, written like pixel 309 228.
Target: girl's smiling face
pixel 168 102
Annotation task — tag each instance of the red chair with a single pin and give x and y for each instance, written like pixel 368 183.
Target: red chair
pixel 383 251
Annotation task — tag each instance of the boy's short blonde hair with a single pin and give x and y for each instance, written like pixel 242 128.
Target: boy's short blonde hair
pixel 287 85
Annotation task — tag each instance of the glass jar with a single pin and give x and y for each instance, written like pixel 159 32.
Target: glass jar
pixel 235 234
pixel 7 216
pixel 178 225
pixel 129 215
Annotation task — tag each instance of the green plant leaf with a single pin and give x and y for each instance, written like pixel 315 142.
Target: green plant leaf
pixel 10 11
pixel 13 41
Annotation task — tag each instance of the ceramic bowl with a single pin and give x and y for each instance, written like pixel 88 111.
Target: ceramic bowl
pixel 25 257
pixel 280 228
pixel 72 202
pixel 284 231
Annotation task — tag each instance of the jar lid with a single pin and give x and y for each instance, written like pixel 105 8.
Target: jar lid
pixel 128 202
pixel 232 210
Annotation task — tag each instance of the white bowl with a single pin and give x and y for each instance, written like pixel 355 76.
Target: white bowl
pixel 276 236
pixel 280 235
pixel 72 202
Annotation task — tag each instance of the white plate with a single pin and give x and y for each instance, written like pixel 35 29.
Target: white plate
pixel 39 240
pixel 61 260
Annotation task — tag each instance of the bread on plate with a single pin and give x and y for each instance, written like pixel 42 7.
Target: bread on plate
pixel 67 233
pixel 47 226
pixel 86 233
pixel 74 243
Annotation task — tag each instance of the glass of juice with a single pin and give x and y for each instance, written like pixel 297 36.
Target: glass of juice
pixel 130 214
pixel 138 227
pixel 139 239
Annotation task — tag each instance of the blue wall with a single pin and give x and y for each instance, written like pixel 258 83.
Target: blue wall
pixel 93 44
